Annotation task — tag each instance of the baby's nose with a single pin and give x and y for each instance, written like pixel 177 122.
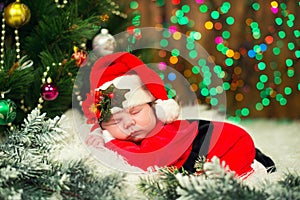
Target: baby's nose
pixel 128 122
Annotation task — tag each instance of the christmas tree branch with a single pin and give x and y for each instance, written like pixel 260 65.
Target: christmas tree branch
pixel 216 183
pixel 28 171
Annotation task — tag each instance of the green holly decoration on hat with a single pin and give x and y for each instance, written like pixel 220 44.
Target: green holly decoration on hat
pixel 106 99
pixel 119 97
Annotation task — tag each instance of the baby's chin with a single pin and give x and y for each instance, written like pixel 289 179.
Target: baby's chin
pixel 135 139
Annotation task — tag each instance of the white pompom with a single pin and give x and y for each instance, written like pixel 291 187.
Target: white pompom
pixel 167 111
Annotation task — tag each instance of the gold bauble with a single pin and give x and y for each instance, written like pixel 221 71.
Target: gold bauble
pixel 16 14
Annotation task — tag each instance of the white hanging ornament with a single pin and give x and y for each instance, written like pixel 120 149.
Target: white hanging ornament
pixel 104 43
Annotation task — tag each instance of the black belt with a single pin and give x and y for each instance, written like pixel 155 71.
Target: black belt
pixel 200 145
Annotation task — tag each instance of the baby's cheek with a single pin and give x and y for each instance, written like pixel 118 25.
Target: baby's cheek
pixel 118 133
pixel 145 120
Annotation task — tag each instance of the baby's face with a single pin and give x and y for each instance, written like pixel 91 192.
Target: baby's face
pixel 131 124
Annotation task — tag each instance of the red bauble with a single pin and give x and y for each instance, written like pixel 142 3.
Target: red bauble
pixel 49 91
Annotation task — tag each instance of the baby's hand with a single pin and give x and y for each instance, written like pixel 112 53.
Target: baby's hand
pixel 95 141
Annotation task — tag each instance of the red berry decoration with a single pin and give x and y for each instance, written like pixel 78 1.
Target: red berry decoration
pixel 49 91
pixel 111 95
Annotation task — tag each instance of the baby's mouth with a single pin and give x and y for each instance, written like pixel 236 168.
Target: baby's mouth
pixel 134 134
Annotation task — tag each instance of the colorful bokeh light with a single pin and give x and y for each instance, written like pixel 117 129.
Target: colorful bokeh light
pixel 269 52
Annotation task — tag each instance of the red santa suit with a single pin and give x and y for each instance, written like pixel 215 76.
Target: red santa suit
pixel 179 144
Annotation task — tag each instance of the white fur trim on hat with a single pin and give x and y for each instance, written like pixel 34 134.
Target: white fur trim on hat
pixel 167 111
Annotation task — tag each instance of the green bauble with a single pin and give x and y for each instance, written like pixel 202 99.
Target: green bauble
pixel 7 111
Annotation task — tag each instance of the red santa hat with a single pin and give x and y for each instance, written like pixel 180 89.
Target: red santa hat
pixel 120 81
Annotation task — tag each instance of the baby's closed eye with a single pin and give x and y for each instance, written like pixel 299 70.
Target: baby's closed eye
pixel 134 112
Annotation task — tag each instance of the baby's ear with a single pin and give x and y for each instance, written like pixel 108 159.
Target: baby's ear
pixel 166 111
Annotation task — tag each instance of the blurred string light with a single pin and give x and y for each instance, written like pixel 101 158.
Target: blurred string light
pixel 281 34
pixel 133 30
pixel 268 93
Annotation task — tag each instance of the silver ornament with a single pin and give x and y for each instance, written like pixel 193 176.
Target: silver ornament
pixel 104 43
